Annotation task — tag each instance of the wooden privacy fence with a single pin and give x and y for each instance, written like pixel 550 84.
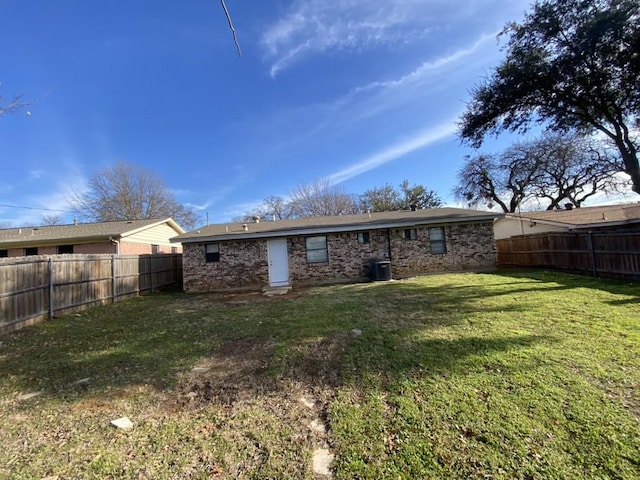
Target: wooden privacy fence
pixel 604 254
pixel 40 287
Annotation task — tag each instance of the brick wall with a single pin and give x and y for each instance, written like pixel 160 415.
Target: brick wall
pixel 131 248
pixel 244 264
pixel 88 248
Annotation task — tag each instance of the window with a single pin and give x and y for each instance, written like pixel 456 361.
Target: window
pixel 31 251
pixel 174 249
pixel 65 249
pixel 154 249
pixel 212 252
pixel 410 234
pixel 363 238
pixel 317 250
pixel 4 253
pixel 438 241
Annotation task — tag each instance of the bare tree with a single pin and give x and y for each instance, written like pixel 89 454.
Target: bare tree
pixel 553 168
pixel 321 198
pixel 51 219
pixel 129 192
pixel 13 105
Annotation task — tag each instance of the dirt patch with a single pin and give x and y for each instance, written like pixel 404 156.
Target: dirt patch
pixel 244 369
pixel 237 370
pixel 292 390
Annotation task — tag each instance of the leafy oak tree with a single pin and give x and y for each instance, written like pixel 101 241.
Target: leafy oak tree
pixel 388 198
pixel 571 65
pixel 129 192
pixel 551 170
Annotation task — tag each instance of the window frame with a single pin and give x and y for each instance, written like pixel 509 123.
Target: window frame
pixel 212 256
pixel 30 251
pixel 324 248
pixel 439 243
pixel 410 233
pixel 64 247
pixel 363 238
pixel 4 253
pixel 155 249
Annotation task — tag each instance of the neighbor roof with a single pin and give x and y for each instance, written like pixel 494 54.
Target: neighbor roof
pixel 81 232
pixel 342 223
pixel 585 217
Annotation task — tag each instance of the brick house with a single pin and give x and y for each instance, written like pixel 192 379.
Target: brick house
pixel 318 250
pixel 124 237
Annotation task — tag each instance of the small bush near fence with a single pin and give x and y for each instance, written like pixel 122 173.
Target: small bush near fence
pixel 602 254
pixel 40 287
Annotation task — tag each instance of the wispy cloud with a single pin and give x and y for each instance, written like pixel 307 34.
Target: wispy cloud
pixel 36 174
pixel 315 26
pixel 431 68
pixel 394 152
pixel 312 27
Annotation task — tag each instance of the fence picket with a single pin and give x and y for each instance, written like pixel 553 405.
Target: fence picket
pixel 605 254
pixel 35 288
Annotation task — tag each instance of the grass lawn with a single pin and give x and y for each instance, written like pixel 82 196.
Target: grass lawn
pixel 507 375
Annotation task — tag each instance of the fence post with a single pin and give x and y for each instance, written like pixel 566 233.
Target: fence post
pixel 51 306
pixel 151 273
pixel 113 278
pixel 592 250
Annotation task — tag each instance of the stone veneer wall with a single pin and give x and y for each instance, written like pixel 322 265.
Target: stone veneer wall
pixel 244 265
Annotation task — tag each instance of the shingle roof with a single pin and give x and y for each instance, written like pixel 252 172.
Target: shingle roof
pixel 310 225
pixel 586 216
pixel 81 231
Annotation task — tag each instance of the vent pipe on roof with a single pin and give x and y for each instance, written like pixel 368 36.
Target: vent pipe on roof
pixel 245 227
pixel 568 206
pixel 256 218
pixel 75 221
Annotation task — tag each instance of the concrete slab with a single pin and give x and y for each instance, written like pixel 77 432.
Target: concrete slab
pixel 200 369
pixel 123 423
pixel 27 396
pixel 318 426
pixel 322 460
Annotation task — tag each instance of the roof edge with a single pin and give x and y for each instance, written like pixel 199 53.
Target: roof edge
pixel 324 230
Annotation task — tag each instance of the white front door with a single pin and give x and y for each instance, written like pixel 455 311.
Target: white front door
pixel 278 262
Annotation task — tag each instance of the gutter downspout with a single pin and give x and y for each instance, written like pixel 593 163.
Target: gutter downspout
pixel 389 243
pixel 117 243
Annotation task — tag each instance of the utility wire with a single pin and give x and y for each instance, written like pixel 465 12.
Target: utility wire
pixel 233 30
pixel 34 208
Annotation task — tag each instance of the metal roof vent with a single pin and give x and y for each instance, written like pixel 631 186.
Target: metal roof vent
pixel 245 227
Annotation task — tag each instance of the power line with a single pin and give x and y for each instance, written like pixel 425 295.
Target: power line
pixel 34 208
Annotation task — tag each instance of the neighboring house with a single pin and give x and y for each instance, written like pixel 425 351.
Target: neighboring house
pixel 624 217
pixel 319 250
pixel 125 237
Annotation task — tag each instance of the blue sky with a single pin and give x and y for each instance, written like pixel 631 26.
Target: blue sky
pixel 364 92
